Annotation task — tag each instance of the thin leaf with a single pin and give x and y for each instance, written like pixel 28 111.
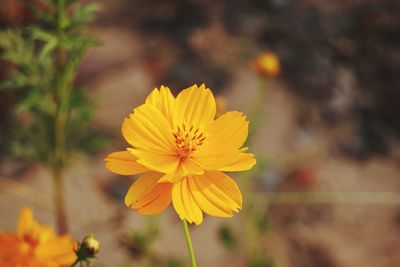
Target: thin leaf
pixel 48 49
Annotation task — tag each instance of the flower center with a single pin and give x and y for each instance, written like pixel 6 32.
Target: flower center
pixel 29 243
pixel 188 139
pixel 28 238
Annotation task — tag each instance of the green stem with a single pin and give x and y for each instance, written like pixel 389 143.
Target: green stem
pixel 58 184
pixel 60 122
pixel 192 257
pixel 252 234
pixel 60 14
pixel 257 105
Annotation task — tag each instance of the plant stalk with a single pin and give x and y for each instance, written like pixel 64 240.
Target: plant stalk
pixel 192 256
pixel 60 122
pixel 58 190
pixel 245 180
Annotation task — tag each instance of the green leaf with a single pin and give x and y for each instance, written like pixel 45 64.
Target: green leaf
pixel 40 34
pixel 85 13
pixel 10 84
pixel 48 49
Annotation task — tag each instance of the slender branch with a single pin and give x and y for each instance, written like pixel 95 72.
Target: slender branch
pixel 59 201
pixel 192 257
pixel 60 122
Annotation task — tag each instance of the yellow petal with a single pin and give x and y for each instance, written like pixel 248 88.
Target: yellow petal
pixel 58 250
pixel 216 193
pixel 184 203
pixel 222 146
pixel 227 133
pixel 160 203
pixel 163 100
pixel 140 187
pixel 206 201
pixel 169 178
pixel 243 162
pixel 147 196
pixel 164 163
pixel 226 185
pixel 213 159
pixel 194 106
pixel 124 163
pixel 26 221
pixel 148 129
pixel 188 167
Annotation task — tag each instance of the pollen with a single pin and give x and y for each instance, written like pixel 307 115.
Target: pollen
pixel 188 139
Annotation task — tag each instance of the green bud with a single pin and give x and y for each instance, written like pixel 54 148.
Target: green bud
pixel 87 249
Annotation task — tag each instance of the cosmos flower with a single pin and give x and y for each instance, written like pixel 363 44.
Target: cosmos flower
pixel 35 245
pixel 183 152
pixel 266 64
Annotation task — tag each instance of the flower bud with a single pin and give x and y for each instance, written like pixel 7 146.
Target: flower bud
pixel 87 249
pixel 266 64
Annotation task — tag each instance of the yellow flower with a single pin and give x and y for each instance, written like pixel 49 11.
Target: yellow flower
pixel 266 64
pixel 183 150
pixel 35 245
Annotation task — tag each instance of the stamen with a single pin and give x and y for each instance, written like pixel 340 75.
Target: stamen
pixel 188 139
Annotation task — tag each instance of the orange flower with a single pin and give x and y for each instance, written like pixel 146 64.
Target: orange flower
pixel 266 64
pixel 35 245
pixel 183 151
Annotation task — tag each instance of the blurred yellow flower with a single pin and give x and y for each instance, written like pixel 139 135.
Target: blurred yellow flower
pixel 183 150
pixel 35 245
pixel 266 64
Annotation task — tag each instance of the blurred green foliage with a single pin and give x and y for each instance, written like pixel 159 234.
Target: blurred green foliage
pixel 144 240
pixel 140 245
pixel 52 111
pixel 260 260
pixel 140 241
pixel 227 236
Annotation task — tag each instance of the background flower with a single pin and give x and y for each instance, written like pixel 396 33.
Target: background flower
pixel 35 245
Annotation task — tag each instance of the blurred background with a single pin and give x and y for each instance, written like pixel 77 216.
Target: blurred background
pixel 325 131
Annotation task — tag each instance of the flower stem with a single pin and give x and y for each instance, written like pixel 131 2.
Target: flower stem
pixel 189 244
pixel 255 116
pixel 59 202
pixel 62 97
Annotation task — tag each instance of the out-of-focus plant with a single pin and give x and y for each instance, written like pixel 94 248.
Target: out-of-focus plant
pixel 144 240
pixel 52 111
pixel 227 237
pixel 35 244
pixel 140 245
pixel 267 67
pixel 255 220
